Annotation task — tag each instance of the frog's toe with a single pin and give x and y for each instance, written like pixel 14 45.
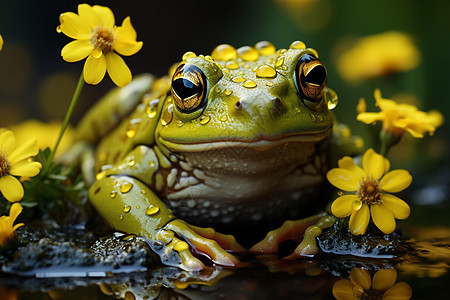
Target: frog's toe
pixel 206 245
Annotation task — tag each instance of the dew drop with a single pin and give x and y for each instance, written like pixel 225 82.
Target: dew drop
pixel 121 217
pixel 282 51
pixel 248 53
pixel 58 29
pixel 151 163
pixel 167 115
pixel 126 187
pixel 297 45
pixel 227 92
pixel 220 110
pixel 266 71
pixel 151 210
pixel 332 99
pixel 204 119
pixel 265 48
pixel 284 68
pixel 238 79
pixel 226 71
pixel 356 205
pixel 100 175
pixel 269 83
pixel 232 65
pixel 143 192
pixel 180 123
pixel 279 62
pixel 131 163
pixel 132 128
pixel 188 54
pixel 151 108
pixel 224 52
pixel 223 118
pixel 113 194
pixel 209 59
pixel 126 208
pixel 249 84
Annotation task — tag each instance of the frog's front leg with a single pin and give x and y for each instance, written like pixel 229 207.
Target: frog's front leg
pixel 304 231
pixel 121 194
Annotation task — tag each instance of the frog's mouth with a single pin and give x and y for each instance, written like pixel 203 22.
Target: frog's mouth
pixel 260 143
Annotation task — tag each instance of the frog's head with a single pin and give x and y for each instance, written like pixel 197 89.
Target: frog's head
pixel 256 98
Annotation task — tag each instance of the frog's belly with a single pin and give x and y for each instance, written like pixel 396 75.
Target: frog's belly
pixel 271 188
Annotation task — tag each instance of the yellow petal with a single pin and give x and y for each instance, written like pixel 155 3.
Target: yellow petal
pixel 342 206
pixel 106 15
pixel 347 163
pixel 126 32
pixel 359 220
pixel 94 69
pixel 397 206
pixel 117 69
pixel 15 211
pixel 400 291
pixel 11 188
pixel 343 179
pixel 76 50
pixel 369 117
pixel 25 168
pixel 127 49
pixel 88 15
pixel 343 290
pixel 7 142
pixel 361 277
pixel 395 181
pixel 373 163
pixel 384 279
pixel 24 151
pixel 383 218
pixel 73 26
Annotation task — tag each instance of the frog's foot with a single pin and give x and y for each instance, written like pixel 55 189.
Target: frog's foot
pixel 304 231
pixel 204 241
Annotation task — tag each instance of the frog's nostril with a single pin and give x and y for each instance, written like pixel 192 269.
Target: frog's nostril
pixel 238 105
pixel 277 104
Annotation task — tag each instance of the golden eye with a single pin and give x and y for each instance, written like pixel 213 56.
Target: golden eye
pixel 310 78
pixel 189 88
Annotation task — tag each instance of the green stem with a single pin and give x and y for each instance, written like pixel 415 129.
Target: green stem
pixel 69 113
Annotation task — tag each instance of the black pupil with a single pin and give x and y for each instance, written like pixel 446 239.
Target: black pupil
pixel 185 88
pixel 317 75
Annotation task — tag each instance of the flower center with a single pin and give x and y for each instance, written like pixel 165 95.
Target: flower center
pixel 4 165
pixel 369 191
pixel 102 38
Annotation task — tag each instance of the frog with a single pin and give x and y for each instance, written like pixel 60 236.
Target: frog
pixel 234 139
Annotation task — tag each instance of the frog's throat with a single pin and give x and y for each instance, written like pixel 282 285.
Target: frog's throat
pixel 261 143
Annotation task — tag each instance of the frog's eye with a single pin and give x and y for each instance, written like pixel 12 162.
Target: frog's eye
pixel 189 88
pixel 310 78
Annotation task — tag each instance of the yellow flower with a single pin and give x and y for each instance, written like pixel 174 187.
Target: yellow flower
pixel 7 227
pixel 1 42
pixel 97 37
pixel 378 55
pixel 360 286
pixel 15 162
pixel 398 118
pixel 369 184
pixel 45 133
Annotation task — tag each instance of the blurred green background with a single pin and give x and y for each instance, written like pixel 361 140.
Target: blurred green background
pixel 36 83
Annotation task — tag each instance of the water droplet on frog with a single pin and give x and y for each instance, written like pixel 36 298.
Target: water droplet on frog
pixel 100 175
pixel 204 119
pixel 223 118
pixel 284 68
pixel 209 59
pixel 224 52
pixel 131 163
pixel 126 208
pixel 167 115
pixel 279 62
pixel 332 99
pixel 143 192
pixel 227 92
pixel 265 71
pixel 188 54
pixel 180 123
pixel 248 53
pixel 58 29
pixel 297 45
pixel 132 128
pixel 249 84
pixel 282 51
pixel 298 109
pixel 232 65
pixel 269 83
pixel 121 217
pixel 151 210
pixel 126 187
pixel 113 194
pixel 151 108
pixel 265 48
pixel 238 79
pixel 226 71
pixel 138 206
pixel 151 163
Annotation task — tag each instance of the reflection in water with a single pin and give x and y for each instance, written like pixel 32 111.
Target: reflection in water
pixel 382 286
